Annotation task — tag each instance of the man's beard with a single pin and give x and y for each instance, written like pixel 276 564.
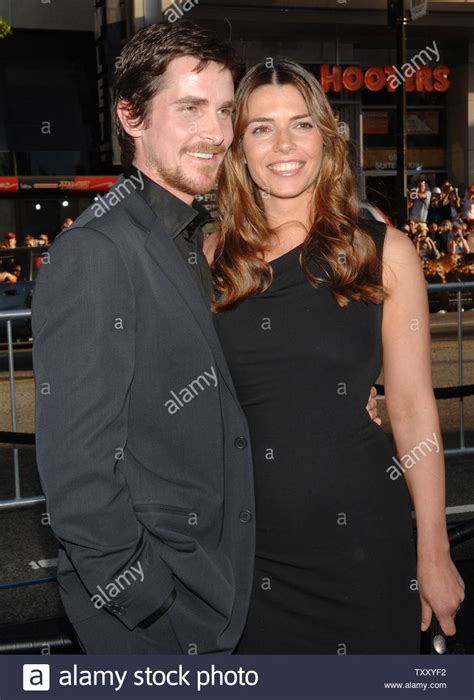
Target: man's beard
pixel 177 179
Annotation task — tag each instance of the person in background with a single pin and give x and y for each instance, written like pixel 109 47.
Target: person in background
pixel 42 240
pixel 9 240
pixel 420 198
pixel 435 235
pixel 7 278
pixel 412 229
pixel 16 270
pixel 29 241
pixel 469 236
pixel 467 207
pixel 455 204
pixel 444 204
pixel 458 244
pixel 66 223
pixel 445 229
pixel 433 211
pixel 12 275
pixel 425 246
pixel 468 233
pixel 406 229
pixel 433 230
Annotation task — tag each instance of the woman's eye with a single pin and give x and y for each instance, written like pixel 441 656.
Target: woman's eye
pixel 305 125
pixel 260 130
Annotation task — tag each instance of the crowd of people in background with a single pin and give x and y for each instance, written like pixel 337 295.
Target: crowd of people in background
pixel 10 241
pixel 441 221
pixel 10 268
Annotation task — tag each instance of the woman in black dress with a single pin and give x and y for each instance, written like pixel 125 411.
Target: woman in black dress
pixel 300 291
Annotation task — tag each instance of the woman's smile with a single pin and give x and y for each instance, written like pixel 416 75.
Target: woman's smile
pixel 287 168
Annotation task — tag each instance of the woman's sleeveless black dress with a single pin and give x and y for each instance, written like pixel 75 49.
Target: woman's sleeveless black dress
pixel 335 569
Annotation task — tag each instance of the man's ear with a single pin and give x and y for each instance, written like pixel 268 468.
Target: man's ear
pixel 129 125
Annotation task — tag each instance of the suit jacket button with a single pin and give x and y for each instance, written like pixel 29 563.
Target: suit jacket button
pixel 117 609
pixel 240 442
pixel 245 516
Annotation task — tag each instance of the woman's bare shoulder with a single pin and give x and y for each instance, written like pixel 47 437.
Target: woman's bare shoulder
pixel 397 242
pixel 402 263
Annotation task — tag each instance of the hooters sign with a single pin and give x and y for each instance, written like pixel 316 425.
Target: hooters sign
pixel 376 78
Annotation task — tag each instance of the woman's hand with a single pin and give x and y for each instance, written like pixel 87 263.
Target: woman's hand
pixel 441 591
pixel 372 406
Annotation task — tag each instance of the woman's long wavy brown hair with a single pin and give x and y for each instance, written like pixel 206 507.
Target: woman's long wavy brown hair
pixel 346 252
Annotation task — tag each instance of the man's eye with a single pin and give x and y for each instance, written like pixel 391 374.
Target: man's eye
pixel 189 108
pixel 226 111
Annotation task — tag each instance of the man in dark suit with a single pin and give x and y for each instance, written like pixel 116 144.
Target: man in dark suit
pixel 142 447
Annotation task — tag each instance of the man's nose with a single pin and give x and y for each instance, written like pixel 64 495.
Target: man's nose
pixel 210 129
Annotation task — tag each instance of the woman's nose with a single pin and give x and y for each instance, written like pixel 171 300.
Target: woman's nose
pixel 284 141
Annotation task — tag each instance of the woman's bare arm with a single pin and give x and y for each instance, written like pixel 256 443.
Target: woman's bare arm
pixel 411 406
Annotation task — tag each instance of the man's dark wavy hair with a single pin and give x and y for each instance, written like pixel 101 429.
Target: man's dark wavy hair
pixel 144 59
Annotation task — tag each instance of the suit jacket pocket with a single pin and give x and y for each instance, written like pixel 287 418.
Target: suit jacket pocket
pixel 174 526
pixel 204 576
pixel 179 510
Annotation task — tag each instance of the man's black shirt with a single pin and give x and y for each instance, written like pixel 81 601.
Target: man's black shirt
pixel 183 223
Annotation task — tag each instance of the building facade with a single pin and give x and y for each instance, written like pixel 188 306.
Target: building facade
pixel 56 73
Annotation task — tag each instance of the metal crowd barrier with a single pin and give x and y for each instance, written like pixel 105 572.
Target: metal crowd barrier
pixel 18 500
pixel 458 287
pixel 16 438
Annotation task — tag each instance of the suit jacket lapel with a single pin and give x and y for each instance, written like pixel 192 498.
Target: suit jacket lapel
pixel 165 254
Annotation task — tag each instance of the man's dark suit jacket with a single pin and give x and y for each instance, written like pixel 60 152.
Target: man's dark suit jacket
pixel 142 447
